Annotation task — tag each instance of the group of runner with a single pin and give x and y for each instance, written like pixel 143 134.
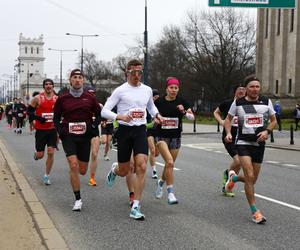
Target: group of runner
pixel 146 121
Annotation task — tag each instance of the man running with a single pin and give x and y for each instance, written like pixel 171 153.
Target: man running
pixel 73 119
pixel 253 112
pixel 132 99
pixel 41 110
pixel 220 114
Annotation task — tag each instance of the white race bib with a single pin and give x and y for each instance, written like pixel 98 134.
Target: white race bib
pixel 170 123
pixel 77 128
pixel 137 114
pixel 253 120
pixel 48 116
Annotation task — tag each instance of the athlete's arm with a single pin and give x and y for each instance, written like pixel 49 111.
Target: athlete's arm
pixel 217 115
pixel 227 126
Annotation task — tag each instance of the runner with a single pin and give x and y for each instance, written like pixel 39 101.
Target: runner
pixel 153 151
pixel 73 119
pixel 95 145
pixel 31 122
pixel 220 112
pixel 132 98
pixel 20 115
pixel 172 108
pixel 41 110
pixel 107 129
pixel 253 112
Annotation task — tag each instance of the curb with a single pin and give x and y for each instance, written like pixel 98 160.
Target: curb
pixel 45 227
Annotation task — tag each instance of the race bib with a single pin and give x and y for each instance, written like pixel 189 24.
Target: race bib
pixel 170 123
pixel 234 122
pixel 48 116
pixel 77 128
pixel 137 114
pixel 20 114
pixel 253 120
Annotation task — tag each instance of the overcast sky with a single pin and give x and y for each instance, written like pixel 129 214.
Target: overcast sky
pixel 117 22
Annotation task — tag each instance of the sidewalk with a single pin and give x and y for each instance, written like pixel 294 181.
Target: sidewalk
pixel 281 139
pixel 24 223
pixel 17 230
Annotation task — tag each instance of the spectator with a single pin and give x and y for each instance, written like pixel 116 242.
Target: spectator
pixel 297 116
pixel 277 108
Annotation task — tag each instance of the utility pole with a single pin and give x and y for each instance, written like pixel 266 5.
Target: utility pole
pixel 146 48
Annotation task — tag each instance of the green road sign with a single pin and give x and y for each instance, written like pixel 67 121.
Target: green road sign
pixel 253 3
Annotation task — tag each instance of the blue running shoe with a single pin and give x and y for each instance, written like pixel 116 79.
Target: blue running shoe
pixel 46 180
pixel 136 214
pixel 110 178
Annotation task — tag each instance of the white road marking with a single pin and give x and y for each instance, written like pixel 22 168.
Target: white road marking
pixel 290 165
pixel 219 152
pixel 161 164
pixel 277 201
pixel 272 162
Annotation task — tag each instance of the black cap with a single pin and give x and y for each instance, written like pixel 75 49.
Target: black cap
pixel 155 92
pixel 250 78
pixel 47 80
pixel 76 72
pixel 90 89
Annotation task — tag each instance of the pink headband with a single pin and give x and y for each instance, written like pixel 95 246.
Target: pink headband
pixel 173 81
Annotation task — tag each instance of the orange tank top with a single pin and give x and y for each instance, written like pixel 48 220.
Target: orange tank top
pixel 45 109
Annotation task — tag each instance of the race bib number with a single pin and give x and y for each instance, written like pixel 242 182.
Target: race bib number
pixel 137 114
pixel 20 114
pixel 170 123
pixel 253 120
pixel 234 122
pixel 77 128
pixel 48 116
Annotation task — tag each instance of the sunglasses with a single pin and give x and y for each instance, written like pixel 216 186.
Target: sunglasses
pixel 134 72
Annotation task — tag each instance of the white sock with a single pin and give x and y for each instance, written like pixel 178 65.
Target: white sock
pixel 136 203
pixel 153 168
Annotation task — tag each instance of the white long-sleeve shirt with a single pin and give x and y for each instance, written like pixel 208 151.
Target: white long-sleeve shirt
pixel 133 100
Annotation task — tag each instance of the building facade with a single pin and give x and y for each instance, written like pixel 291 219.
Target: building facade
pixel 278 54
pixel 31 66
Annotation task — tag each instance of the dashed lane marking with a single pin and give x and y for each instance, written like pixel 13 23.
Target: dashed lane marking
pixel 277 201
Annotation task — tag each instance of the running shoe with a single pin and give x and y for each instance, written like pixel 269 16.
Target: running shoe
pixel 230 184
pixel 35 156
pixel 92 182
pixel 154 174
pixel 136 214
pixel 110 178
pixel 225 177
pixel 46 180
pixel 227 193
pixel 106 158
pixel 258 218
pixel 77 206
pixel 159 191
pixel 172 199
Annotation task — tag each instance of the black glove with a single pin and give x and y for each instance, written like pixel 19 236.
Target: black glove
pixel 61 133
pixel 40 119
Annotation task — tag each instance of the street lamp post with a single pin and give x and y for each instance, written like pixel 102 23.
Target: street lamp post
pixel 82 36
pixel 146 48
pixel 61 52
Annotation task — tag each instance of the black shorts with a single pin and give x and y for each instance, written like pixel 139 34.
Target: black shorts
pixel 77 145
pixel 131 138
pixel 255 152
pixel 230 147
pixel 108 129
pixel 151 132
pixel 45 137
pixel 173 143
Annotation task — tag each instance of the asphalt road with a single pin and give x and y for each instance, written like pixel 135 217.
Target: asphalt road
pixel 203 219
